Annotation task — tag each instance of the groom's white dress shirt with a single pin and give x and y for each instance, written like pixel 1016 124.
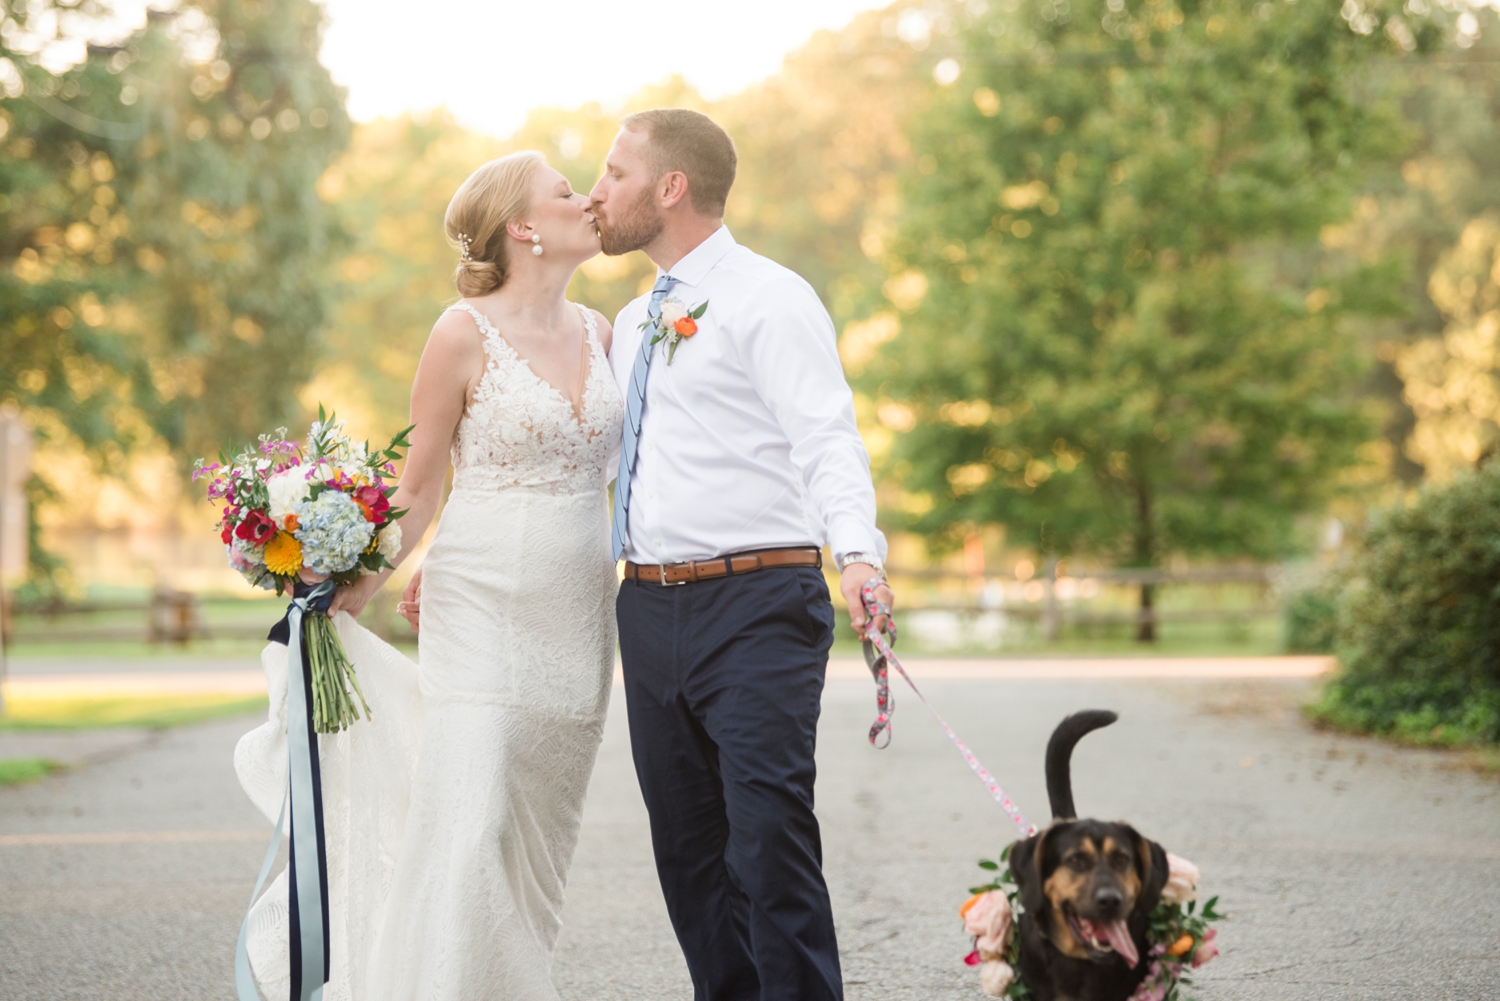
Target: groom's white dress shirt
pixel 748 438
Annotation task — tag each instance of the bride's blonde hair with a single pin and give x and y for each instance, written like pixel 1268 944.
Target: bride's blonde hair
pixel 493 196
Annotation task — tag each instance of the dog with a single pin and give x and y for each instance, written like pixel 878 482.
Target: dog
pixel 1087 889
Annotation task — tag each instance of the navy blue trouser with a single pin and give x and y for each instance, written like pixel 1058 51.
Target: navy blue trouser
pixel 723 683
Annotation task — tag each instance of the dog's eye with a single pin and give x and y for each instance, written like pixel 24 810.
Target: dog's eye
pixel 1078 863
pixel 1120 860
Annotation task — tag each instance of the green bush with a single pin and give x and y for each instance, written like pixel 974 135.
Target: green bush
pixel 1312 621
pixel 1419 629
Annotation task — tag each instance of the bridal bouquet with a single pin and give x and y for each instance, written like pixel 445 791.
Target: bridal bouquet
pixel 304 513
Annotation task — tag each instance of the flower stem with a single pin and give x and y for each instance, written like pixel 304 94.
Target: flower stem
pixel 332 674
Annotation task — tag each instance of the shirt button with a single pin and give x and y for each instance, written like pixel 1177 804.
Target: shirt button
pixel 651 493
pixel 658 542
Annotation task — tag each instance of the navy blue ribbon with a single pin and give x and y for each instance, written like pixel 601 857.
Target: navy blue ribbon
pixel 307 882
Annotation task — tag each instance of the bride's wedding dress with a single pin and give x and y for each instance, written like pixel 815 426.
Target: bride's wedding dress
pixel 452 815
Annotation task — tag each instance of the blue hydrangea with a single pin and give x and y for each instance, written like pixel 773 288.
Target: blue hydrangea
pixel 333 532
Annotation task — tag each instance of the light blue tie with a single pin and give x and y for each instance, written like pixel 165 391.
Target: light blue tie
pixel 635 404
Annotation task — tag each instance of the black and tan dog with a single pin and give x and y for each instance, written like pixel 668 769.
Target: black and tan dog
pixel 1087 888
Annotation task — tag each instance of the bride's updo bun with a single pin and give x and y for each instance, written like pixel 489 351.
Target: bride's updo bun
pixel 493 196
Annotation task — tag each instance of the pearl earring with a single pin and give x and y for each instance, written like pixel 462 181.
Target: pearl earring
pixel 536 244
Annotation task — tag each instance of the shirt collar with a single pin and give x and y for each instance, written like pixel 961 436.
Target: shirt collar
pixel 693 268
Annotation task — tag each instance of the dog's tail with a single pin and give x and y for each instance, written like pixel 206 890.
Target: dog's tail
pixel 1060 755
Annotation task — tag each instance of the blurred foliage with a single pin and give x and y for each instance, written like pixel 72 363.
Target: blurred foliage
pixel 1418 633
pixel 47 579
pixel 1453 380
pixel 1415 209
pixel 390 190
pixel 164 248
pixel 1312 620
pixel 1108 327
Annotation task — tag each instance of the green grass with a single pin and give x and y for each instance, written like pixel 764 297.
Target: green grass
pixel 150 712
pixel 14 771
pixel 227 649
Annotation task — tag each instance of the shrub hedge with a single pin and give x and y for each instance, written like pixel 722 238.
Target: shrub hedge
pixel 1418 631
pixel 1312 620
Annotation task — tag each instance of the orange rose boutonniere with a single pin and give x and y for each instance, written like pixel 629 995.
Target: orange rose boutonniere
pixel 676 323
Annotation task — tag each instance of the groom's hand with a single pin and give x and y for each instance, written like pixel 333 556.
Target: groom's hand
pixel 850 581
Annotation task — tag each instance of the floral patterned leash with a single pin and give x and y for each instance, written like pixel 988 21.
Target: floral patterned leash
pixel 879 657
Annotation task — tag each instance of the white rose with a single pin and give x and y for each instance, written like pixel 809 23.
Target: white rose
pixel 389 544
pixel 1182 881
pixel 671 312
pixel 995 976
pixel 288 489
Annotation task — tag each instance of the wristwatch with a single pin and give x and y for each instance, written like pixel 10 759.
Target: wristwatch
pixel 869 558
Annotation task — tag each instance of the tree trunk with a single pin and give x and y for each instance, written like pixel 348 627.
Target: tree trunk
pixel 1147 630
pixel 1145 556
pixel 1051 611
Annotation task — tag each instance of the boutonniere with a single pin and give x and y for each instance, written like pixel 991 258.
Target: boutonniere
pixel 675 324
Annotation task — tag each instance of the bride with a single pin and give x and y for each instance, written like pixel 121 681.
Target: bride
pixel 452 814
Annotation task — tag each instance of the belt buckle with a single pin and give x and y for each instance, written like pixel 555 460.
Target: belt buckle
pixel 662 569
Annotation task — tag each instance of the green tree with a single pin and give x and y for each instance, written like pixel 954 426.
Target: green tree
pixel 59 223
pixel 1117 337
pixel 1418 208
pixel 162 248
pixel 164 244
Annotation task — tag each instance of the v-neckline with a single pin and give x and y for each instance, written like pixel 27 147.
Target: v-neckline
pixel 587 369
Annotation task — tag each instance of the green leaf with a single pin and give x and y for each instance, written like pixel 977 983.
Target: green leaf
pixel 987 864
pixel 698 313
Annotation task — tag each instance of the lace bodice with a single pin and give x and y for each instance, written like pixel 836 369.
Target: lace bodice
pixel 520 431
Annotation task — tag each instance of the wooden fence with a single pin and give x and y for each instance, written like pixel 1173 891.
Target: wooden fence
pixel 1050 599
pixel 1049 595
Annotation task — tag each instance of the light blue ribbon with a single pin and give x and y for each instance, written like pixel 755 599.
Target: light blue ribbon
pixel 306 892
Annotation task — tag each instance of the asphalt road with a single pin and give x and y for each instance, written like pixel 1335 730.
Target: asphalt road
pixel 1351 869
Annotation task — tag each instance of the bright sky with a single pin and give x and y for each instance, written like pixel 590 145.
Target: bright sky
pixel 490 61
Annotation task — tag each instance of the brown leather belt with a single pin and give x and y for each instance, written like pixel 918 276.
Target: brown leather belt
pixel 722 566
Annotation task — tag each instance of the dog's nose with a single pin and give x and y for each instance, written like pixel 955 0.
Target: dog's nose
pixel 1109 900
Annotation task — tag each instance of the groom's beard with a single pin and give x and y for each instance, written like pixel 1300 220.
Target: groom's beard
pixel 633 229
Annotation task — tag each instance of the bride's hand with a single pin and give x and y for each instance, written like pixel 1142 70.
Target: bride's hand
pixel 410 606
pixel 352 599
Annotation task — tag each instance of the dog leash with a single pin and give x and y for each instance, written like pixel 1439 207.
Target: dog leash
pixel 879 657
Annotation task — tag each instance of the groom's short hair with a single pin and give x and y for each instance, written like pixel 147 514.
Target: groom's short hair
pixel 693 143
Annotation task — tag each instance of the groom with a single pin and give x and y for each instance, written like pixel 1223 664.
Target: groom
pixel 741 459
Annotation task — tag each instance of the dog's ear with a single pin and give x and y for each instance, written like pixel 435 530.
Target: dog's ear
pixel 1151 860
pixel 1026 859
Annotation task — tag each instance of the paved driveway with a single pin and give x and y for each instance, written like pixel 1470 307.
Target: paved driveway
pixel 1352 870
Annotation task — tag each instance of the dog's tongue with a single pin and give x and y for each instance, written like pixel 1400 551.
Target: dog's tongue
pixel 1120 940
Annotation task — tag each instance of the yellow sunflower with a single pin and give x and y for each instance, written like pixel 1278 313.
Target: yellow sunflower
pixel 284 554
